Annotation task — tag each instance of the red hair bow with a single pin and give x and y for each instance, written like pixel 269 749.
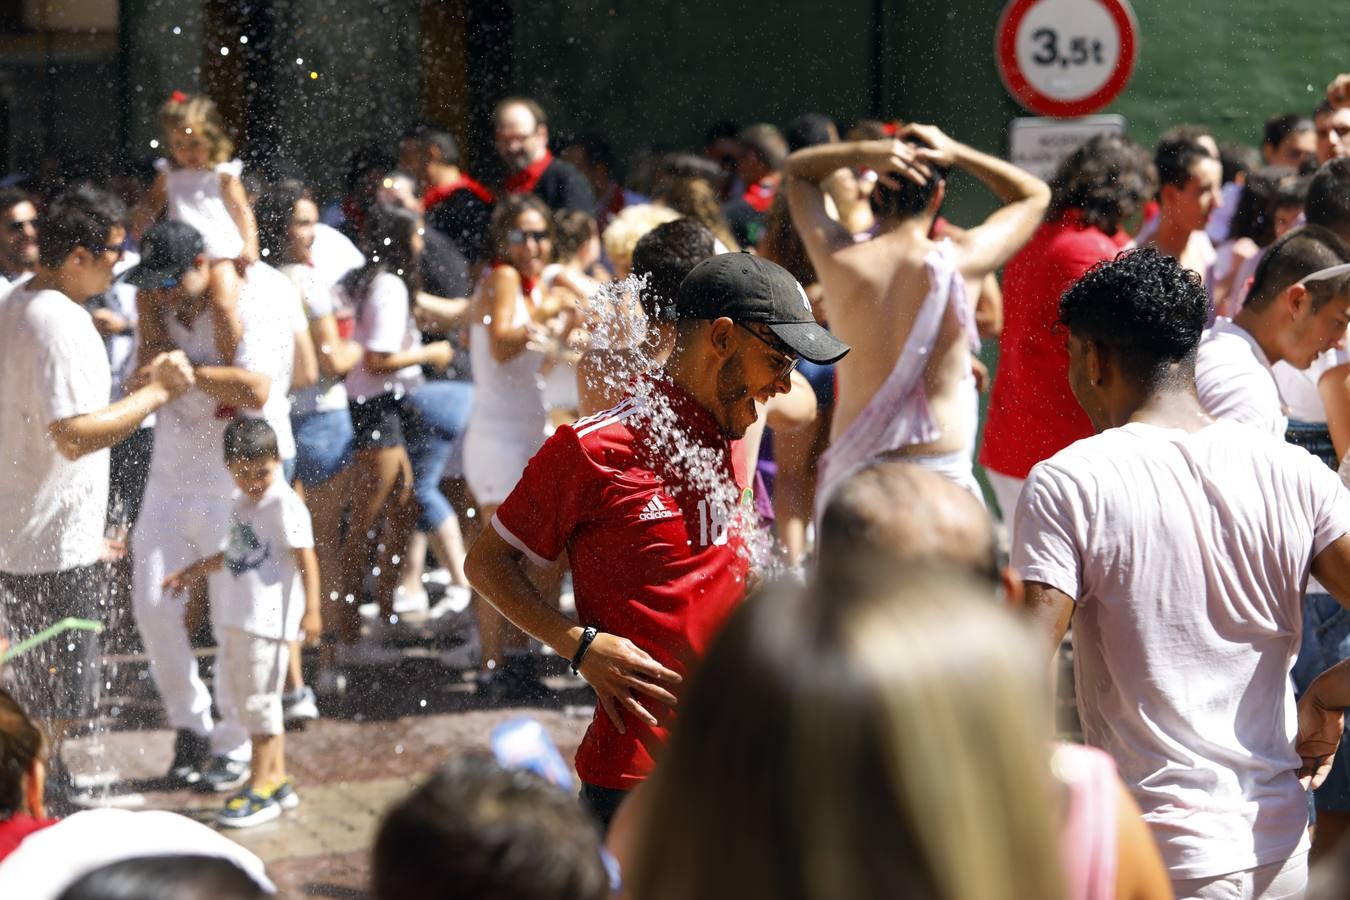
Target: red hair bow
pixel 178 96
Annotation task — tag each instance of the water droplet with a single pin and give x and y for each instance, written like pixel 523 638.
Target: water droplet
pixel 224 51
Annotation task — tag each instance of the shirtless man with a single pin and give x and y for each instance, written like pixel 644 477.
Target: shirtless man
pixel 900 299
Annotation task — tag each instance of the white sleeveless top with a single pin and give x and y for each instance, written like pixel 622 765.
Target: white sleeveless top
pixel 194 197
pixel 509 394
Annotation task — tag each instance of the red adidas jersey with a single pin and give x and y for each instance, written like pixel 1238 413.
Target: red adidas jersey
pixel 653 560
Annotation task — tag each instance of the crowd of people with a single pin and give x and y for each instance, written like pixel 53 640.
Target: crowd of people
pixel 708 432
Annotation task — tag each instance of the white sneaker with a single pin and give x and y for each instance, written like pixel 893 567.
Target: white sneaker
pixel 406 601
pixel 301 704
pixel 455 601
pixel 439 577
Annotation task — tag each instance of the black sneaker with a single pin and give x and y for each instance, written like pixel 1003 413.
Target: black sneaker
pixel 189 750
pixel 249 807
pixel 224 774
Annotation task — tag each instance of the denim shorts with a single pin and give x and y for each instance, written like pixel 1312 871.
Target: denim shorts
pixel 323 444
pixel 1326 641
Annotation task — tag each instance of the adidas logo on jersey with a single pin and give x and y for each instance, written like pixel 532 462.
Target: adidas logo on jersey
pixel 655 509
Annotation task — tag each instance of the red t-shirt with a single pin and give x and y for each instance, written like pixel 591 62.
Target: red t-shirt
pixel 652 559
pixel 1032 412
pixel 523 182
pixel 17 827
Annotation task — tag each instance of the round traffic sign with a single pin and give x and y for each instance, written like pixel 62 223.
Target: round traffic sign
pixel 1066 57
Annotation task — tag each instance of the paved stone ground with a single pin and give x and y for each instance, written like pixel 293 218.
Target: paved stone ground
pixel 395 725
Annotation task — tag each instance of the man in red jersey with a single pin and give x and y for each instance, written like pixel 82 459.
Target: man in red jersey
pixel 643 500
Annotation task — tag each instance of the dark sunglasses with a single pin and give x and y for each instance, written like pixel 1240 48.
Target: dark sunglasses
pixel 790 359
pixel 520 236
pixel 21 224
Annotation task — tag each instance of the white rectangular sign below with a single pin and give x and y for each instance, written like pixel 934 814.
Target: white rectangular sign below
pixel 1040 145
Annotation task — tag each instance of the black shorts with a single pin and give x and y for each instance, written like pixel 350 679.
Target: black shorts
pixel 603 803
pixel 57 679
pixel 379 422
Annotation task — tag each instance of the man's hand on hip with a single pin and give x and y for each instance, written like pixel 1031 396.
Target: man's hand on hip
pixel 619 670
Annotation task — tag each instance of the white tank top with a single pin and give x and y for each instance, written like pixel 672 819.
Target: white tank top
pixel 509 393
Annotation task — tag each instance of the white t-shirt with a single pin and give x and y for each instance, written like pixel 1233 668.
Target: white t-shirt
pixel 1186 555
pixel 260 590
pixel 1298 387
pixel 317 300
pixel 188 457
pixel 384 324
pixel 333 254
pixel 274 300
pixel 1234 381
pixel 55 368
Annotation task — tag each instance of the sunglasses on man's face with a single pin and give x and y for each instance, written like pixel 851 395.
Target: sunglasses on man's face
pixel 22 224
pixel 788 359
pixel 520 236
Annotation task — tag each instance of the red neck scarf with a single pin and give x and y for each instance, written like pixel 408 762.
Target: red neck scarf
pixel 438 192
pixel 760 194
pixel 527 284
pixel 524 181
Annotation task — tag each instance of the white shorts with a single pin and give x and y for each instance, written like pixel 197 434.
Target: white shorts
pixel 1285 879
pixel 256 669
pixel 495 455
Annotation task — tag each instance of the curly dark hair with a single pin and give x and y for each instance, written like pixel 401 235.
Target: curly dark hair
pixel 1142 305
pixel 1107 180
pixel 665 255
pixel 909 199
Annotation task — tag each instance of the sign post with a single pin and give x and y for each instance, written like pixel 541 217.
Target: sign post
pixel 1066 58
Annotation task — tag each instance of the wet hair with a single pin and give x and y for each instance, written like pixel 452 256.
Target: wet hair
pixel 387 242
pixel 504 217
pixel 1254 217
pixel 1281 126
pixel 442 140
pixel 821 688
pixel 248 438
pixel 1142 305
pixel 909 199
pixel 12 197
pixel 666 254
pixel 200 114
pixel 766 142
pixel 166 878
pixel 21 744
pixel 696 198
pixel 1174 156
pixel 1107 180
pixel 572 228
pixel 537 111
pixel 274 211
pixel 809 130
pixel 483 831
pixel 1328 200
pixel 1238 159
pixel 1294 257
pixel 81 217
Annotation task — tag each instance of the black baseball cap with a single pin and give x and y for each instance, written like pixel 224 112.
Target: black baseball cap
pixel 167 251
pixel 744 287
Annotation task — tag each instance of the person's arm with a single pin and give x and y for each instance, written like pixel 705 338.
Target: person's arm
pixel 437 354
pixel 506 339
pixel 151 205
pixel 1331 568
pixel 1050 609
pixel 615 667
pixel 152 337
pixel 223 289
pixel 76 436
pixel 234 386
pixel 307 564
pixel 990 244
pixel 1140 874
pixel 236 204
pixel 805 171
pixel 989 308
pixel 440 314
pixel 795 409
pixel 1321 721
pixel 1334 388
pixel 305 366
pixel 336 357
pixel 177 582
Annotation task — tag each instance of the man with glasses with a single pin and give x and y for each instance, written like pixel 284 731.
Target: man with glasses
pixel 520 131
pixel 643 500
pixel 56 426
pixel 901 297
pixel 18 235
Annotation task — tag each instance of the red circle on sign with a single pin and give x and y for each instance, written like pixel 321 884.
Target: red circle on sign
pixel 1016 82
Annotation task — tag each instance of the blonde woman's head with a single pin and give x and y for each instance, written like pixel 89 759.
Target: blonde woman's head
pixel 869 738
pixel 627 228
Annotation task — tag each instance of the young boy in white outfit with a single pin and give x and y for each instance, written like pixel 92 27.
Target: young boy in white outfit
pixel 268 595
